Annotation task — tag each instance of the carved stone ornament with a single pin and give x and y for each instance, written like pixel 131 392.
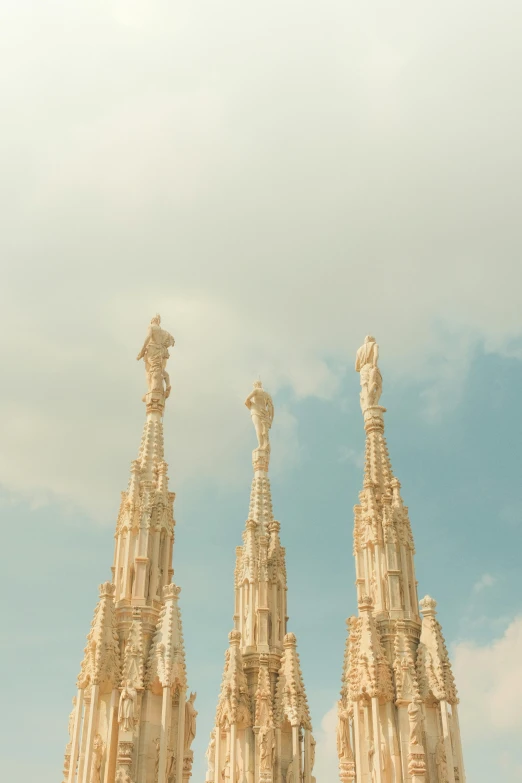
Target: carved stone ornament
pixel 127 706
pixel 155 353
pixel 190 722
pixel 261 407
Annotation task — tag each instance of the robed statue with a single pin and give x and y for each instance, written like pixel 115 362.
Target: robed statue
pixel 344 747
pixel 190 721
pixel 371 378
pixel 127 706
pixel 155 351
pixel 261 407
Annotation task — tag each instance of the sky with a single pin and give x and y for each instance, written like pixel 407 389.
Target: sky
pixel 278 181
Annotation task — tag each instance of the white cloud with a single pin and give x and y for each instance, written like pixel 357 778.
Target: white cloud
pixel 489 678
pixel 486 580
pixel 326 765
pixel 275 189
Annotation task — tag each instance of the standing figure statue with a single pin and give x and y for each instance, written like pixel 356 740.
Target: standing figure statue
pixel 261 407
pixel 97 754
pixel 414 717
pixel 127 706
pixel 190 721
pixel 155 352
pixel 371 378
pixel 344 747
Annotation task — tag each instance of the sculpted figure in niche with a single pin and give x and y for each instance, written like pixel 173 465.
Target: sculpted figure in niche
pixel 344 747
pixel 155 352
pixel 265 749
pixel 312 752
pixel 414 717
pixel 190 721
pixel 261 407
pixel 371 379
pixel 127 706
pixel 440 761
pixel 171 761
pixel 97 753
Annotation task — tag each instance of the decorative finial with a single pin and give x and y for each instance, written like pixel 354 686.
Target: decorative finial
pixel 155 352
pixel 261 407
pixel 371 378
pixel 428 606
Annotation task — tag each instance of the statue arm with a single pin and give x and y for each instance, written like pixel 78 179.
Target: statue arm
pixel 145 344
pixel 375 354
pixel 248 400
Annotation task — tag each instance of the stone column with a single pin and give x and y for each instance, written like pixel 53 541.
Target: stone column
pixel 404 733
pixel 112 739
pixel 357 739
pixel 307 757
pixel 295 751
pixel 458 743
pixel 91 730
pixel 233 750
pixel 447 741
pixel 377 756
pixel 217 756
pixel 166 708
pixel 278 769
pixel 75 744
pixel 181 735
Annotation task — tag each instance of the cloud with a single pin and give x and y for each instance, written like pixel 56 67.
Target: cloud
pixel 277 186
pixel 326 765
pixel 486 580
pixel 489 678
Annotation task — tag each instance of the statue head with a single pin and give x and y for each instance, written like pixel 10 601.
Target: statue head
pixel 369 339
pixel 258 384
pixel 156 319
pixel 192 697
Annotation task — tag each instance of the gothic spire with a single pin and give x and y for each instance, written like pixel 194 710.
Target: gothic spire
pixel 398 706
pixel 128 723
pixel 269 738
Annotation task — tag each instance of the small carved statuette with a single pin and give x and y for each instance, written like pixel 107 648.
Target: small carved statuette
pixel 155 352
pixel 261 407
pixel 371 379
pixel 344 747
pixel 414 717
pixel 190 721
pixel 291 772
pixel 266 748
pixel 127 706
pixel 97 755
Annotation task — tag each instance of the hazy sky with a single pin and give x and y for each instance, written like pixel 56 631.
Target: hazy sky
pixel 277 180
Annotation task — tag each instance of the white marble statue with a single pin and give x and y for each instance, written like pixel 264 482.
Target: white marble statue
pixel 371 379
pixel 344 747
pixel 97 754
pixel 127 706
pixel 155 352
pixel 261 407
pixel 190 721
pixel 265 749
pixel 414 718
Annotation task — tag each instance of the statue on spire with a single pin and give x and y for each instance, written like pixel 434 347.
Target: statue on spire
pixel 155 352
pixel 261 407
pixel 371 378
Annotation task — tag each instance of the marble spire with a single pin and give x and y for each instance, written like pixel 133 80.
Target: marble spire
pixel 262 731
pixel 131 720
pixel 398 714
